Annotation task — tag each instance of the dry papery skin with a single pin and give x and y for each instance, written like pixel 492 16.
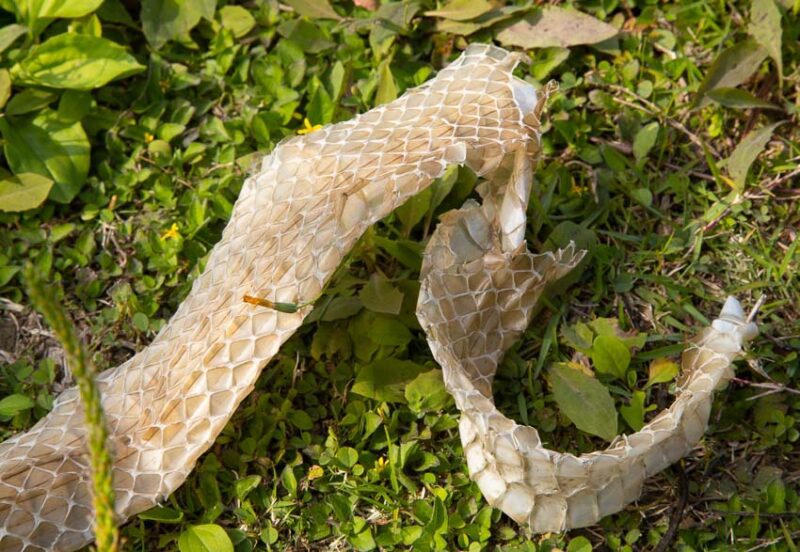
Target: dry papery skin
pixel 291 227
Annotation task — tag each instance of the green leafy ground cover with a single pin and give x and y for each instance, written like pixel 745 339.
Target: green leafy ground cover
pixel 671 152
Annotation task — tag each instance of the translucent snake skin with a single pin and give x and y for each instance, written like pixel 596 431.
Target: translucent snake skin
pixel 291 227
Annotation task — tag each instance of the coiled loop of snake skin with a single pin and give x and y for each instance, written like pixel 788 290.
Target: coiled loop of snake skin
pixel 479 287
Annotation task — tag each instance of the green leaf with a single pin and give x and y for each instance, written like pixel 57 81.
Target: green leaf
pixel 314 9
pixel 162 514
pixel 738 164
pixel 610 356
pixel 23 191
pixel 662 370
pixel 165 20
pixel 731 68
pixel 379 295
pixel 387 89
pixel 556 26
pixel 205 538
pixel 765 28
pixel 385 379
pixel 237 19
pixel 320 108
pixel 644 140
pixel 74 105
pixel 546 60
pixel 427 392
pixel 347 457
pixel 633 413
pixel 584 400
pixel 9 34
pixel 288 480
pixel 29 101
pixel 41 9
pixel 579 544
pixel 300 419
pixel 13 404
pixel 76 61
pixel 50 147
pixel 363 541
pixel 243 486
pixel 5 87
pixel 739 99
pixel 461 10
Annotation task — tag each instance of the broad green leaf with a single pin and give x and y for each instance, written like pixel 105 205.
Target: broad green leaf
pixel 300 419
pixel 556 26
pixel 427 392
pixel 28 101
pixel 414 209
pixel 461 10
pixel 320 108
pixel 579 336
pixel 379 295
pixel 546 60
pixel 579 544
pixel 738 164
pixel 237 19
pixel 9 34
pixel 739 99
pixel 165 20
pixel 315 9
pixel 662 370
pixel 584 400
pixel 74 105
pixel 41 9
pixel 385 380
pixel 610 326
pixel 610 356
pixel 205 538
pixel 338 75
pixel 363 541
pixel 48 146
pixel 633 413
pixel 731 68
pixel 387 89
pixel 23 191
pixel 347 457
pixel 5 87
pixel 162 514
pixel 76 61
pixel 13 404
pixel 288 480
pixel 765 27
pixel 243 486
pixel 644 140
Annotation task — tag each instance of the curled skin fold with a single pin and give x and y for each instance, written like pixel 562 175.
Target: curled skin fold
pixel 291 227
pixel 479 287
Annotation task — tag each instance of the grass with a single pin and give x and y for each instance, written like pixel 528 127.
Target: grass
pixel 630 165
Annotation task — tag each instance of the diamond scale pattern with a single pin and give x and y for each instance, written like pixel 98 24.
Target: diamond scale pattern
pixel 291 227
pixel 479 287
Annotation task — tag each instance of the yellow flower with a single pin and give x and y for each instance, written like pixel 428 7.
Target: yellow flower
pixel 172 233
pixel 308 128
pixel 148 137
pixel 381 463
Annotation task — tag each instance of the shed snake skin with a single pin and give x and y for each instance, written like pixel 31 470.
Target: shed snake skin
pixel 293 224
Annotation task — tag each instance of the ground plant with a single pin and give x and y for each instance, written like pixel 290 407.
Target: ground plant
pixel 671 152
